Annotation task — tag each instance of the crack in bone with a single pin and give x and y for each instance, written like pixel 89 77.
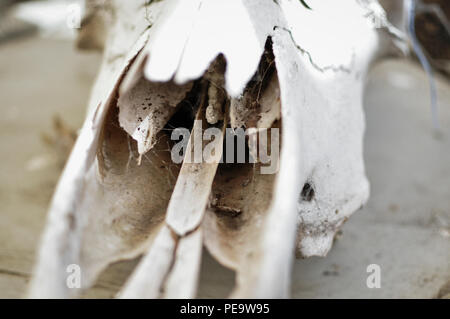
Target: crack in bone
pixel 334 68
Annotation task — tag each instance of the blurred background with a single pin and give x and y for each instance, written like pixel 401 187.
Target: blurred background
pixel 45 84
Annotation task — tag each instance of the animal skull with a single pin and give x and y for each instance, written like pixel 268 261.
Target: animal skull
pixel 173 61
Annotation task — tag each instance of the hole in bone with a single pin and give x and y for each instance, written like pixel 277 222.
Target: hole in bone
pixel 308 192
pixel 185 115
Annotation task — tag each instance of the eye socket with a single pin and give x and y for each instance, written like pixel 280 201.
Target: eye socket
pixel 308 192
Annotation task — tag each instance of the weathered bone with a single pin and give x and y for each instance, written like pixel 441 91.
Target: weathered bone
pixel 147 107
pixel 321 57
pixel 181 259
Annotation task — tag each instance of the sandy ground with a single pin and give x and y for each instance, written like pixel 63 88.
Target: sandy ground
pixel 405 228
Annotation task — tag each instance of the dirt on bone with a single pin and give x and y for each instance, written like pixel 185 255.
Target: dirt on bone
pixel 247 110
pixel 147 107
pixel 216 93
